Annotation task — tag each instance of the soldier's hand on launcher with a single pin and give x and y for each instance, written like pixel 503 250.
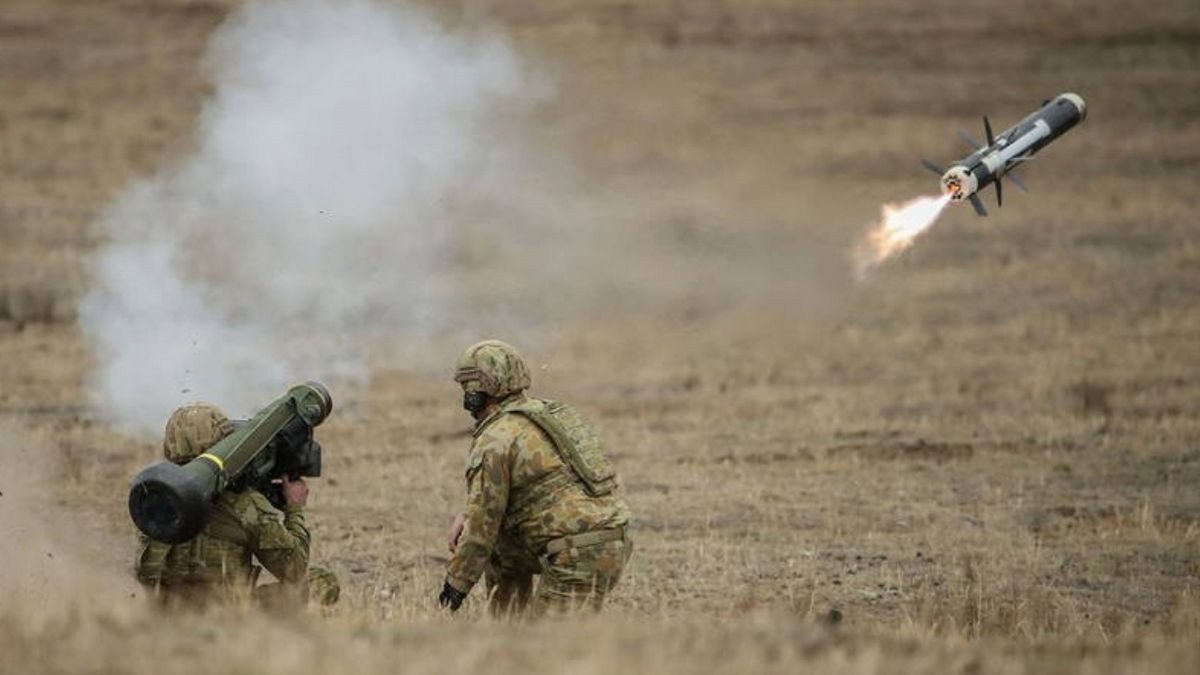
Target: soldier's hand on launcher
pixel 456 530
pixel 295 493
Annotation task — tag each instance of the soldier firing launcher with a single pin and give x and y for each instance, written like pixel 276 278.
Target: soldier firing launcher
pixel 171 502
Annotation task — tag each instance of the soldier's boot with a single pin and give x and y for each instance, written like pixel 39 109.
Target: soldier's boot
pixel 320 586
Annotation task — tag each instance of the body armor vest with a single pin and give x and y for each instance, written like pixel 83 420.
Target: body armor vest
pixel 576 442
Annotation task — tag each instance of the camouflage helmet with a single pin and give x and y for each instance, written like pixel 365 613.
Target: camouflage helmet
pixel 495 366
pixel 193 429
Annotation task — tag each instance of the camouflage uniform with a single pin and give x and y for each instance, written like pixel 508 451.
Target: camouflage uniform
pixel 528 509
pixel 242 526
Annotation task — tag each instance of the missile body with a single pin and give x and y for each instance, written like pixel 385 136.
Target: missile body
pixel 989 163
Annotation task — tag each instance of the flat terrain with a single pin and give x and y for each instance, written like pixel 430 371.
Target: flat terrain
pixel 983 458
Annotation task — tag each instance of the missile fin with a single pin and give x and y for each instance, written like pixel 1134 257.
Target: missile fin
pixel 969 140
pixel 1017 180
pixel 978 205
pixel 999 194
pixel 932 167
pixel 987 128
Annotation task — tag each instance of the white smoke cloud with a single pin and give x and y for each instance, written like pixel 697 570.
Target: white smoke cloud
pixel 361 174
pixel 343 142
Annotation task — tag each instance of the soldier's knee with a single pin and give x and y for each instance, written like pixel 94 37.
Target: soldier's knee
pixel 557 600
pixel 509 595
pixel 323 586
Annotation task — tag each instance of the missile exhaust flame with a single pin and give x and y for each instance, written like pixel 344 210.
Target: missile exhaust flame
pixel 898 227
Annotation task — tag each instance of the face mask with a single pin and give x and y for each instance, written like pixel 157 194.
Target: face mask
pixel 474 402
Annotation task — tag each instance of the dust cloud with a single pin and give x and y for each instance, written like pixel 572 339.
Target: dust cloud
pixel 53 565
pixel 341 145
pixel 364 174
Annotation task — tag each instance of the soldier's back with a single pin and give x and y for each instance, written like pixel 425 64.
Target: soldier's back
pixel 547 498
pixel 219 557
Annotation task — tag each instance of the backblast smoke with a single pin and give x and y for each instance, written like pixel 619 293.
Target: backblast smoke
pixel 328 164
pixel 363 176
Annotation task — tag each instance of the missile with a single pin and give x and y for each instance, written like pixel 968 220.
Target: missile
pixel 1011 148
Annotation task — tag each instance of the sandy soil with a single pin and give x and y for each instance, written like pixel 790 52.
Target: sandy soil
pixel 984 458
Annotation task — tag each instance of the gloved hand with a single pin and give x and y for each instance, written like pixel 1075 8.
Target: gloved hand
pixel 451 597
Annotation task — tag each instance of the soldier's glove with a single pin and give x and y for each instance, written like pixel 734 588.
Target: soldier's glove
pixel 451 597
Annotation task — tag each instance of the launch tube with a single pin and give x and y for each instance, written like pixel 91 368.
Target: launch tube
pixel 171 502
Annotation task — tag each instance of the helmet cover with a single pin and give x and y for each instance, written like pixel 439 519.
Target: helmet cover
pixel 192 430
pixel 493 367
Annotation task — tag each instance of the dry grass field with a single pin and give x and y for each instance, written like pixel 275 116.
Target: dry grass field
pixel 985 458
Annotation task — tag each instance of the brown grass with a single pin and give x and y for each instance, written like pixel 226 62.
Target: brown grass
pixel 984 459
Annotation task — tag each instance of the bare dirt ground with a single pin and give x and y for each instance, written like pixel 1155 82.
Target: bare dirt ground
pixel 983 459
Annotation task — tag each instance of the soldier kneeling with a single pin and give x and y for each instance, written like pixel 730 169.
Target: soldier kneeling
pixel 243 526
pixel 541 497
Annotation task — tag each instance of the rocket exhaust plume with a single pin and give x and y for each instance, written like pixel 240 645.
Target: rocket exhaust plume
pixel 898 226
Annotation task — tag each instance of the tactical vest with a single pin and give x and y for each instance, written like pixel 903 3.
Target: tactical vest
pixel 576 442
